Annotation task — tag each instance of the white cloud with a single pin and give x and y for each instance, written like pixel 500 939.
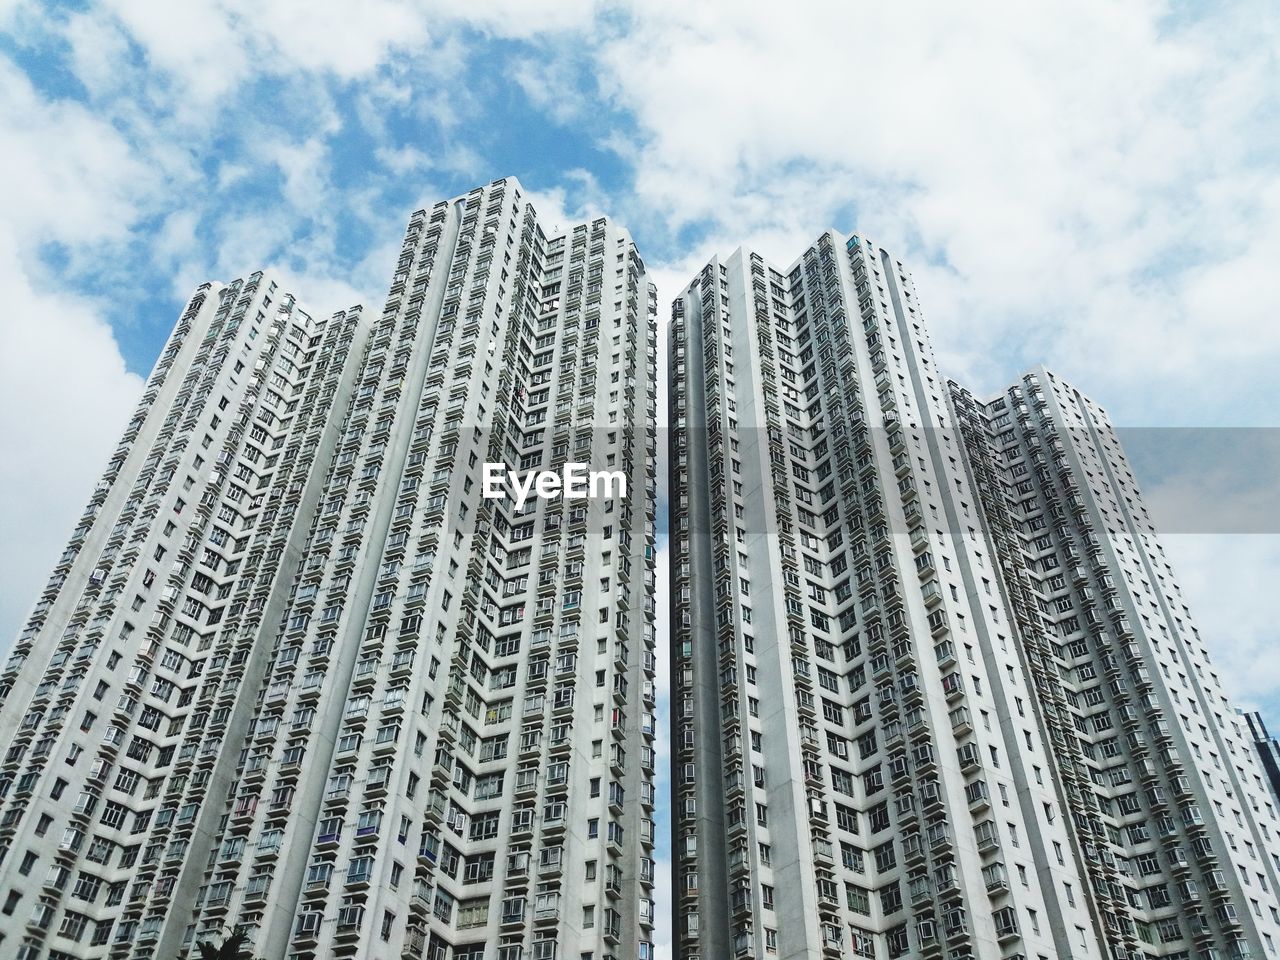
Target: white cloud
pixel 99 46
pixel 556 209
pixel 1225 578
pixel 305 167
pixel 403 160
pixel 516 18
pixel 1091 175
pixel 327 37
pixel 550 80
pixel 197 43
pixel 66 176
pixel 65 395
pixel 410 160
pixel 209 48
pixel 69 179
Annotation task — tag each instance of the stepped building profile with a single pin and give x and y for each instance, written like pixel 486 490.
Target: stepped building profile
pixel 295 672
pixel 934 691
pixel 303 669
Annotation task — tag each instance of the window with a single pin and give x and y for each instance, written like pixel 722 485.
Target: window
pixel 885 857
pixel 73 926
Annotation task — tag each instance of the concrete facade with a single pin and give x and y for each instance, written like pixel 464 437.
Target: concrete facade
pixel 868 668
pixel 358 708
pixel 1166 786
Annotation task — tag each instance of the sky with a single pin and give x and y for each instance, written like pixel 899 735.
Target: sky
pixel 1090 185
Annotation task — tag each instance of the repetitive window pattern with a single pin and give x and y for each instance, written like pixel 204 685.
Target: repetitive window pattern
pixel 332 694
pixel 874 629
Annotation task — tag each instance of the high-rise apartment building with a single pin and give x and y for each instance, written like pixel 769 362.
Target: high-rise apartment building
pixel 300 670
pixel 933 690
pixel 1154 764
pixel 1268 749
